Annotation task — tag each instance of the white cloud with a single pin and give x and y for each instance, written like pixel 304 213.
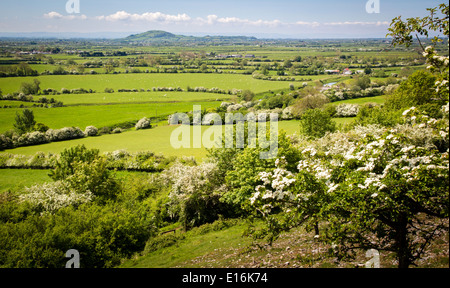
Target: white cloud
pixel 379 23
pixel 53 15
pixel 56 15
pixel 216 20
pixel 149 16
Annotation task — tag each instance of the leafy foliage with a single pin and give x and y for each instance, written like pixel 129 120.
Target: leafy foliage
pixel 316 122
pixel 24 122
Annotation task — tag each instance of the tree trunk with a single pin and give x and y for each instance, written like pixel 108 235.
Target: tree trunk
pixel 316 228
pixel 403 253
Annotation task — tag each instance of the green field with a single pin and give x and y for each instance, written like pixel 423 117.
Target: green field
pixel 156 140
pixel 136 97
pixel 17 179
pixel 360 101
pixel 145 81
pixel 99 115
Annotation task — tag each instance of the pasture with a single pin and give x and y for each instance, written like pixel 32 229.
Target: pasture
pixel 145 81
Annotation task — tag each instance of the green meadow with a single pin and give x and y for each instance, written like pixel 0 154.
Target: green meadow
pixel 99 115
pixel 156 140
pixel 136 97
pixel 145 81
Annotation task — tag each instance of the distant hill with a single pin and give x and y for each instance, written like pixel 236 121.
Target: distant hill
pixel 163 37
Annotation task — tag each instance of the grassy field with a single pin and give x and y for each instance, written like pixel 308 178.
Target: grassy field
pixel 156 140
pixel 99 115
pixel 360 101
pixel 136 97
pixel 16 179
pixel 145 81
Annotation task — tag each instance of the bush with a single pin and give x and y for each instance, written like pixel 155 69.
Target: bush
pixel 101 234
pixel 85 170
pixel 30 139
pixel 419 89
pixel 5 142
pixel 347 110
pixel 41 127
pixel 63 134
pixel 50 197
pixel 91 131
pixel 109 90
pixel 117 130
pixel 144 123
pixel 194 194
pixel 369 114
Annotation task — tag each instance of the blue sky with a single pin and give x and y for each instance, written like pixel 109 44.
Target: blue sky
pixel 300 19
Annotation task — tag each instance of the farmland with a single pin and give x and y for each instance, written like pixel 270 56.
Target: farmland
pixel 85 131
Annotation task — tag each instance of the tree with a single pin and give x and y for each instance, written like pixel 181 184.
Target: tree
pixel 204 68
pixel 309 102
pixel 404 32
pixel 287 63
pixel 109 68
pixel 418 90
pixel 85 170
pixel 247 95
pixel 385 189
pixel 362 82
pixel 24 122
pixel 315 123
pixel 30 88
pixel 265 69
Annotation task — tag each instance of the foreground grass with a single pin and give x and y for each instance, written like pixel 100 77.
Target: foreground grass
pixel 229 248
pixel 193 245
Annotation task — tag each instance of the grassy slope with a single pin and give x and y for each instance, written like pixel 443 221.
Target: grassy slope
pixel 228 248
pixel 192 247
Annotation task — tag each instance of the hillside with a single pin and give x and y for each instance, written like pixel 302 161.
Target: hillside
pixel 223 244
pixel 163 37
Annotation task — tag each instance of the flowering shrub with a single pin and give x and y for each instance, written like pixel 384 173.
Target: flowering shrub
pixel 388 192
pixel 195 193
pixel 50 197
pixel 5 142
pixel 144 123
pixel 32 138
pixel 91 131
pixel 347 110
pixel 63 134
pixel 438 65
